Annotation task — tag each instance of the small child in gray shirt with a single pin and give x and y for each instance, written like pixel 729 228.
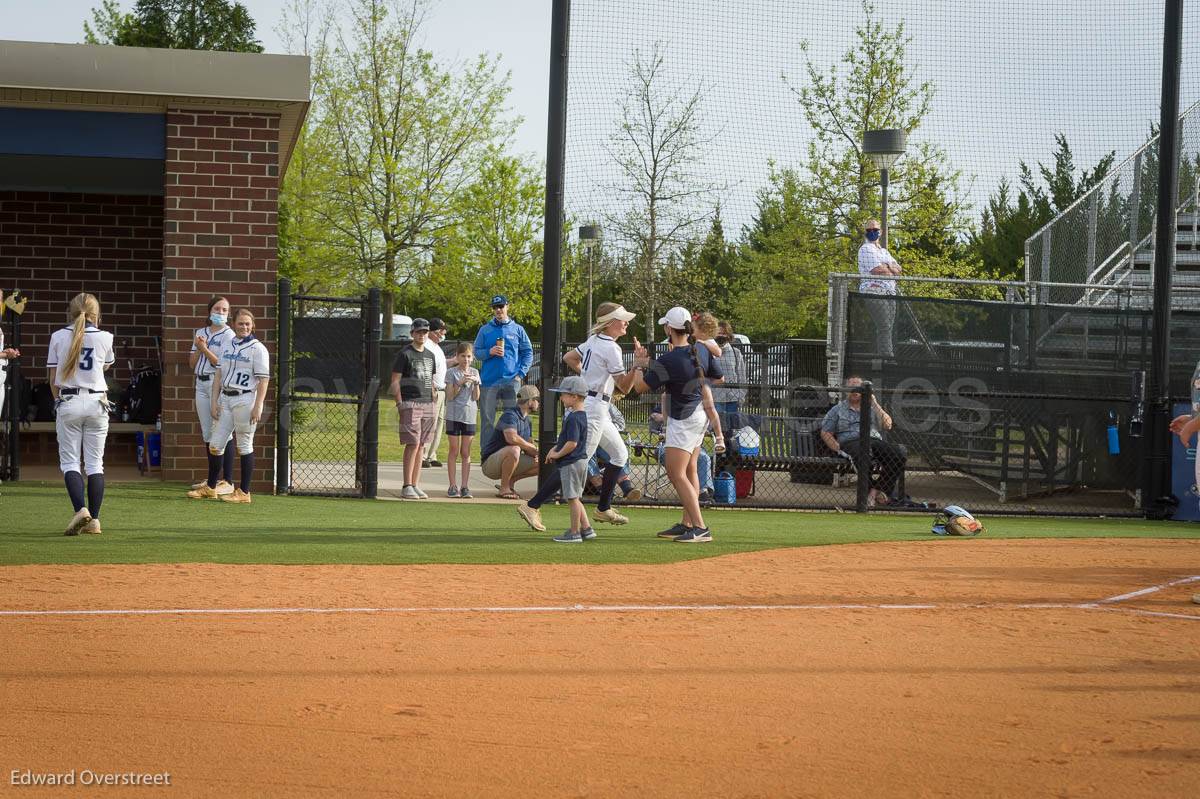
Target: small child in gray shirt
pixel 462 410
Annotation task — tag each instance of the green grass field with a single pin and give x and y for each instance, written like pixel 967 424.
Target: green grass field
pixel 157 524
pixel 327 433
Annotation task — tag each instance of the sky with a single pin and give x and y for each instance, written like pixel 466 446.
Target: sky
pixel 518 30
pixel 1008 76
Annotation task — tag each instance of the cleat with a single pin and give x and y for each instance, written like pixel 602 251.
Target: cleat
pixel 238 496
pixel 610 516
pixel 224 487
pixel 194 486
pixel 203 492
pixel 532 517
pixel 674 530
pixel 78 522
pixel 634 495
pixel 695 535
pixel 92 527
pixel 568 538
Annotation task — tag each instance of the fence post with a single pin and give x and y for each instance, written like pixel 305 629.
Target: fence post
pixel 370 419
pixel 283 410
pixel 863 459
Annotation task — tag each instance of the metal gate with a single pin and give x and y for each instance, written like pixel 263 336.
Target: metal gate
pixel 327 424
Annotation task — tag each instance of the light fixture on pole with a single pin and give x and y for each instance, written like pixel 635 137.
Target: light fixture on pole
pixel 590 237
pixel 884 147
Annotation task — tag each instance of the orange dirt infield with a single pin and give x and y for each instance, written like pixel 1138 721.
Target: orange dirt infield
pixel 808 701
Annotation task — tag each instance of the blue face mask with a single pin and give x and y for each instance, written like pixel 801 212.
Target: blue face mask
pixel 873 235
pixel 217 318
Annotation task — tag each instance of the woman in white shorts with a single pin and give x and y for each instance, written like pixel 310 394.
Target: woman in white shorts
pixel 207 343
pixel 243 376
pixel 681 375
pixel 79 355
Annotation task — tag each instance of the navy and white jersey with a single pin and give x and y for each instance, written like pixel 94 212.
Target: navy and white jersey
pixel 97 353
pixel 601 362
pixel 244 361
pixel 216 342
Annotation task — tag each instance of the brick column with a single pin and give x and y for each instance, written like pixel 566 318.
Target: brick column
pixel 219 233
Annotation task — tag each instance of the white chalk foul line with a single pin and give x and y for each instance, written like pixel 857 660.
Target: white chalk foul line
pixel 1103 604
pixel 501 609
pixel 1152 589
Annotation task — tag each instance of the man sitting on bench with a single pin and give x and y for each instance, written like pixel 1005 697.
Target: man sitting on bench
pixel 840 429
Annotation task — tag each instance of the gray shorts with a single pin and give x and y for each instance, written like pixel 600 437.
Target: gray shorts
pixel 573 476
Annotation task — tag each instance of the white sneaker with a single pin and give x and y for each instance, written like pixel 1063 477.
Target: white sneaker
pixel 409 492
pixel 421 494
pixel 224 487
pixel 78 522
pixel 532 516
pixel 610 516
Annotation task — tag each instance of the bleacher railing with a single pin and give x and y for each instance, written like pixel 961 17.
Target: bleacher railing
pixel 1101 239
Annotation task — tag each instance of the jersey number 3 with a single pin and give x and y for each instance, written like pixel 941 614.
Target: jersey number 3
pixel 86 359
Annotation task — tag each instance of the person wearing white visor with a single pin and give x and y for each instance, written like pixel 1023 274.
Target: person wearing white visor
pixel 602 366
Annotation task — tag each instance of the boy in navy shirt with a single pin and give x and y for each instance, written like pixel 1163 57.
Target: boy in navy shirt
pixel 570 454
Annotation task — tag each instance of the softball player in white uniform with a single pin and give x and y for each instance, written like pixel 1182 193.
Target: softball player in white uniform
pixel 600 362
pixel 6 355
pixel 243 375
pixel 207 344
pixel 78 357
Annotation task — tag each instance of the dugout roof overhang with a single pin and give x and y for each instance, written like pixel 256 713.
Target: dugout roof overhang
pixel 83 117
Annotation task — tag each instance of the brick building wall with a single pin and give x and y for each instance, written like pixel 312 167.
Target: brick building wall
pixel 219 235
pixel 53 246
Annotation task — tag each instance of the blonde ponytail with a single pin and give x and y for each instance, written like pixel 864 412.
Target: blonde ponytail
pixel 84 308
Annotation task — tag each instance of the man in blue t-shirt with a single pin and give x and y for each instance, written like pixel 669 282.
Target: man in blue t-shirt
pixel 506 355
pixel 510 454
pixel 570 453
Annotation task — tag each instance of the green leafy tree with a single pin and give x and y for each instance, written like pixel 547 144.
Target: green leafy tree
pixel 175 24
pixel 493 245
pixel 810 217
pixel 1009 220
pixel 402 136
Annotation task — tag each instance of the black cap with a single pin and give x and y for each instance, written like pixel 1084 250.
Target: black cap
pixel 420 324
pixel 436 324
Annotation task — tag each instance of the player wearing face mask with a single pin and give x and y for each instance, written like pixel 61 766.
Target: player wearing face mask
pixel 877 270
pixel 207 344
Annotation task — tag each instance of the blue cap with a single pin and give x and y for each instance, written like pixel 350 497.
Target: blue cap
pixel 499 299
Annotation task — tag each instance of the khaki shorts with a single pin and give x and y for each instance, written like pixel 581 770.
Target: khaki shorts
pixel 416 422
pixel 491 466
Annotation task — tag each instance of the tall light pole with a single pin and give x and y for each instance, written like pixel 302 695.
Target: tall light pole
pixel 590 237
pixel 884 147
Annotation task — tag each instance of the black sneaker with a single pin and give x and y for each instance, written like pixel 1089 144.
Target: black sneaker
pixel 435 463
pixel 695 535
pixel 673 531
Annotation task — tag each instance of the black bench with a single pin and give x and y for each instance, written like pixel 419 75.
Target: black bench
pixel 789 444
